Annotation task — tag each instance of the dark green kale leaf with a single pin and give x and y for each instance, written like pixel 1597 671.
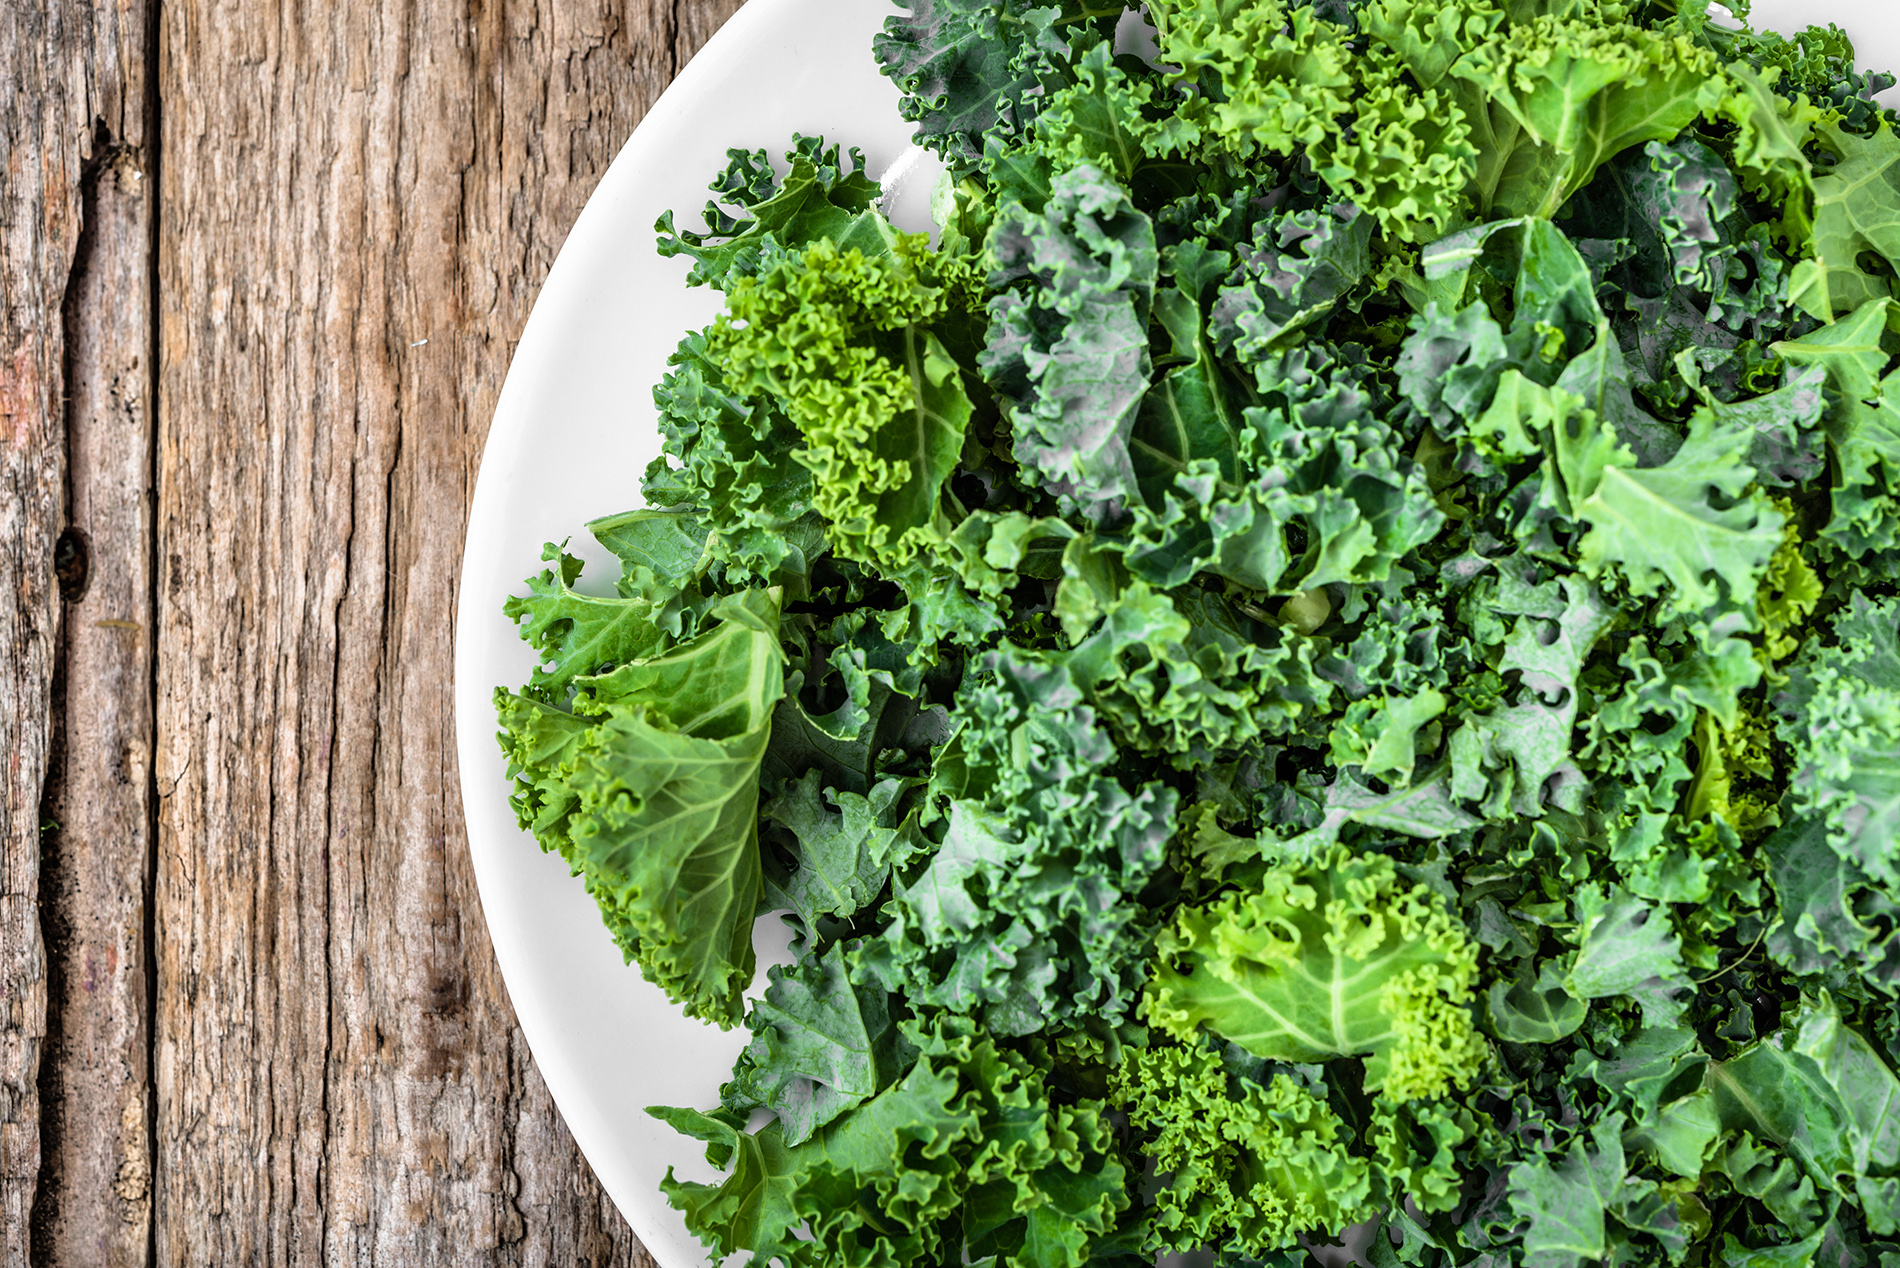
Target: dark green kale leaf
pixel 820 1046
pixel 973 69
pixel 972 1152
pixel 821 199
pixel 1068 352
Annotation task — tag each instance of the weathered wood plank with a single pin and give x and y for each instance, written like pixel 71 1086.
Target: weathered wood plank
pixel 359 204
pixel 72 88
pixel 94 1199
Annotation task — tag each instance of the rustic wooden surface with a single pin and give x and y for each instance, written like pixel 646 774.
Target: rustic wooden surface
pixel 261 271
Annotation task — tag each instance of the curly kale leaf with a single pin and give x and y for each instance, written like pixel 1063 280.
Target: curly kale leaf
pixel 1566 1197
pixel 1315 464
pixel 1296 268
pixel 1108 118
pixel 1510 754
pixel 1856 215
pixel 842 344
pixel 738 467
pixel 844 856
pixel 1279 79
pixel 1683 523
pixel 1029 912
pixel 1247 1170
pixel 1862 422
pixel 1175 674
pixel 980 71
pixel 577 633
pixel 968 1154
pixel 1818 1089
pixel 821 199
pixel 1068 352
pixel 1630 948
pixel 1841 717
pixel 1339 958
pixel 820 1047
pixel 1831 913
pixel 649 788
pixel 880 726
pixel 1557 335
pixel 1552 99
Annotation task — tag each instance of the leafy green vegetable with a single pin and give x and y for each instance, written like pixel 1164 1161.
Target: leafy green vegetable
pixel 1069 354
pixel 967 1150
pixel 1337 960
pixel 1248 1173
pixel 648 786
pixel 1319 666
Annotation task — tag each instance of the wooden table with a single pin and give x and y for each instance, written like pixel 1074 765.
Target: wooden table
pixel 262 267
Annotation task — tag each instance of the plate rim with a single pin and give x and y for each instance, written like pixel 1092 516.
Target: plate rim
pixel 482 636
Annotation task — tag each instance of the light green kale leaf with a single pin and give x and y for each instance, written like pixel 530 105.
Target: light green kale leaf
pixel 1856 214
pixel 1552 99
pixel 1106 118
pixel 1380 733
pixel 577 633
pixel 659 550
pixel 1332 959
pixel 842 343
pixel 1285 76
pixel 1291 82
pixel 1684 523
pixel 1245 1171
pixel 1405 159
pixel 649 789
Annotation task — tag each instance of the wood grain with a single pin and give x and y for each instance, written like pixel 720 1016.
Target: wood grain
pixel 272 260
pixel 359 205
pixel 74 83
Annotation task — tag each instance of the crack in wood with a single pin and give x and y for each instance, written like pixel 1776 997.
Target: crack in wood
pixel 93 1202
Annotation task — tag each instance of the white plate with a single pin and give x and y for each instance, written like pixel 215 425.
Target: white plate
pixel 571 435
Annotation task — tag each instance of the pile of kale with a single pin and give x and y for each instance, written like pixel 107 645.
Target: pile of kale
pixel 1328 652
